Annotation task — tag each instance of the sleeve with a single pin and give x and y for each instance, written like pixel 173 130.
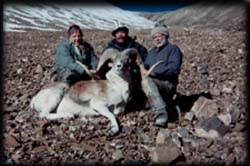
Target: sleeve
pixel 93 59
pixel 143 53
pixel 172 67
pixel 64 59
pixel 146 62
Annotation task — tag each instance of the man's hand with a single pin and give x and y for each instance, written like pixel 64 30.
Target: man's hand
pixel 94 75
pixel 145 73
pixel 92 71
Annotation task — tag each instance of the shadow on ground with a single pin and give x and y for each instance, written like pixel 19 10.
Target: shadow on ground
pixel 139 102
pixel 185 104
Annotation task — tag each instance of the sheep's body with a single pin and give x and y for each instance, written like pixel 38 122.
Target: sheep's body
pixel 87 98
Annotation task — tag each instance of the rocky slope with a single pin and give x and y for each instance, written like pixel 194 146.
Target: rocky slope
pixel 214 62
pixel 204 15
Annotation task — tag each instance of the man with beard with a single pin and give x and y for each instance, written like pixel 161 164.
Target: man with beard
pixel 164 78
pixel 122 41
pixel 69 51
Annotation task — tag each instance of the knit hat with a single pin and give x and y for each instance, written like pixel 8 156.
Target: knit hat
pixel 161 29
pixel 124 29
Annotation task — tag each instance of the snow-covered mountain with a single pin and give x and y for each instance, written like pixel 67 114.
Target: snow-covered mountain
pixel 20 17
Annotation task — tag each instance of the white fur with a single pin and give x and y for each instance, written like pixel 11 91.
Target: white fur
pixel 46 100
pixel 95 99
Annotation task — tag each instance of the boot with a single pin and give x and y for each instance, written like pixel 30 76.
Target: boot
pixel 162 118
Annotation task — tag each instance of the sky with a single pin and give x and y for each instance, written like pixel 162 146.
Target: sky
pixel 150 7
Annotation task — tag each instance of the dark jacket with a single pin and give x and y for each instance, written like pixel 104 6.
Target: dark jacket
pixel 66 57
pixel 170 69
pixel 130 43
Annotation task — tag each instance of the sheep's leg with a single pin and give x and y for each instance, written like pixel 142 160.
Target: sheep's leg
pixel 47 100
pixel 101 108
pixel 118 109
pixel 51 105
pixel 53 116
pixel 66 109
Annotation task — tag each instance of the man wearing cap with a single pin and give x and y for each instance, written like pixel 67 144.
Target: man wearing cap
pixel 164 78
pixel 122 41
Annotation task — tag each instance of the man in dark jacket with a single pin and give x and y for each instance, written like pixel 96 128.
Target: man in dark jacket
pixel 164 78
pixel 122 41
pixel 69 51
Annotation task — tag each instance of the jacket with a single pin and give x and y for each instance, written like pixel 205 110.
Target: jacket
pixel 66 56
pixel 130 43
pixel 172 58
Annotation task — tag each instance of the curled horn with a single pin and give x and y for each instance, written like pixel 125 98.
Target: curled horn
pixel 152 68
pixel 107 54
pixel 110 53
pixel 85 68
pixel 130 52
pixel 133 54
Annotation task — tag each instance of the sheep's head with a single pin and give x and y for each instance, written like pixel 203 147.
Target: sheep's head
pixel 121 65
pixel 120 62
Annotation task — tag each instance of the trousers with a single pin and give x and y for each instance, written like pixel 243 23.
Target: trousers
pixel 159 93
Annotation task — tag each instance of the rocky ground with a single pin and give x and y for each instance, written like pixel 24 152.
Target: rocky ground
pixel 211 128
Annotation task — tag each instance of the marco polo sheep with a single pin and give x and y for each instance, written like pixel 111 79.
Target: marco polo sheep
pixel 92 97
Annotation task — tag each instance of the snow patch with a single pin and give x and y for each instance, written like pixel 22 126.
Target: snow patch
pixel 56 17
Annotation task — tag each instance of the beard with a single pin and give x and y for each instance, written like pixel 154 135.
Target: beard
pixel 120 39
pixel 160 43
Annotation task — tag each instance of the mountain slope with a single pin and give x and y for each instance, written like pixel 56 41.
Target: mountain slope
pixel 201 15
pixel 53 17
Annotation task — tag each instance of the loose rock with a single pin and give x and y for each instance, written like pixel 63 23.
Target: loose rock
pixel 189 116
pixel 39 69
pixel 211 128
pixel 162 136
pixel 225 118
pixel 117 155
pixel 10 142
pixel 165 154
pixel 204 108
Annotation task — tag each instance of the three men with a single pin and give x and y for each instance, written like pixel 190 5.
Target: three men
pixel 159 87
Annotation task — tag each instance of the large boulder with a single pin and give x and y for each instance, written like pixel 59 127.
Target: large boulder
pixel 204 108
